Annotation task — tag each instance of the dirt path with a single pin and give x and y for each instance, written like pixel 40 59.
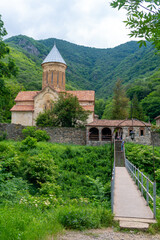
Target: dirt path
pixel 107 234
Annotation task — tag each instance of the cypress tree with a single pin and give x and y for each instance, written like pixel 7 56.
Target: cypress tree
pixel 120 102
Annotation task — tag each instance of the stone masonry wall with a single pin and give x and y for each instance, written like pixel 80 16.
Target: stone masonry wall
pixel 155 139
pixel 58 135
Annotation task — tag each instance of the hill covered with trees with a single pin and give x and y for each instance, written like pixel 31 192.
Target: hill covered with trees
pixel 88 68
pixel 91 69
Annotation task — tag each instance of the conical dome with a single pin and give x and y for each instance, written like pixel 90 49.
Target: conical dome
pixel 54 68
pixel 54 56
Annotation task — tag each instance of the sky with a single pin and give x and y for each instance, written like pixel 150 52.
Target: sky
pixel 91 23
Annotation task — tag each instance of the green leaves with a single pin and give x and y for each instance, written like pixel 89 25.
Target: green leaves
pixel 143 19
pixel 120 102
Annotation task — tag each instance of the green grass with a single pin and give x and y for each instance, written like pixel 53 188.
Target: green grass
pixel 19 222
pixel 47 187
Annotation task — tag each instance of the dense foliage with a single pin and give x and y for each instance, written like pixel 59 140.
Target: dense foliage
pixel 40 135
pixel 143 157
pixel 147 91
pixel 7 69
pixel 44 184
pixel 136 110
pixel 143 18
pixel 65 112
pixel 120 102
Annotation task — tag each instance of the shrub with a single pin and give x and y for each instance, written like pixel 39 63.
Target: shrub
pixel 29 143
pixel 40 169
pixel 11 190
pixel 40 135
pixel 77 217
pixel 29 131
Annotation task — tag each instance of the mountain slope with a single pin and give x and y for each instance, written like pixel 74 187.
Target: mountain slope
pixel 88 68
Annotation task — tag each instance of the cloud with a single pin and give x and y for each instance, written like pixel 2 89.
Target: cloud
pixel 91 23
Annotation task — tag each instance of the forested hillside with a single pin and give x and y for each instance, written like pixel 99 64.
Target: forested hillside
pixel 88 68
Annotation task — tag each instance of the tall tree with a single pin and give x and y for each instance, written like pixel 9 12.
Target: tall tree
pixel 136 110
pixel 143 18
pixel 120 102
pixel 7 69
pixel 107 114
pixel 99 107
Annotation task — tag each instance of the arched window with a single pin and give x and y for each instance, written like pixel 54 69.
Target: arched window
pixel 93 134
pixel 106 134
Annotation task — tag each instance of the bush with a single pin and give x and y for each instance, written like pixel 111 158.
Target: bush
pixel 29 131
pixel 29 143
pixel 40 135
pixel 46 119
pixel 77 217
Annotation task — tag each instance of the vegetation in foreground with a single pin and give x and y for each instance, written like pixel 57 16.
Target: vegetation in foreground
pixel 46 187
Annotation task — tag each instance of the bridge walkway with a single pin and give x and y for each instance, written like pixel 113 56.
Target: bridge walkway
pixel 129 206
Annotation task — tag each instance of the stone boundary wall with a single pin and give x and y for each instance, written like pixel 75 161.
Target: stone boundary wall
pixel 58 135
pixel 156 139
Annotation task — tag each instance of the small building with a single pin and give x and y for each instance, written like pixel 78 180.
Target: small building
pixel 102 131
pixel 30 103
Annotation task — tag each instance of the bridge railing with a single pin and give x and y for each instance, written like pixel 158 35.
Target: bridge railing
pixel 145 185
pixel 112 186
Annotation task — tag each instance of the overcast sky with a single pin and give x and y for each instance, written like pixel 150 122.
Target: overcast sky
pixel 85 22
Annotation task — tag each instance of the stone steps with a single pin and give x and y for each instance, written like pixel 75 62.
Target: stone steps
pixel 134 223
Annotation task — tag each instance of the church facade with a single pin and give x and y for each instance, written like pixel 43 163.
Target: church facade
pixel 30 103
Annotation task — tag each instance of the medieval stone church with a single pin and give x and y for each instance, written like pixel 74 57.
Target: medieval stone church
pixel 30 103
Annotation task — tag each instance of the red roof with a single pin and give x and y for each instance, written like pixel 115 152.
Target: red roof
pixel 22 108
pixel 118 123
pixel 26 96
pixel 83 95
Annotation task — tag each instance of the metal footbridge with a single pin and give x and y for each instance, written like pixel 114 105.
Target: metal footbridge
pixel 131 193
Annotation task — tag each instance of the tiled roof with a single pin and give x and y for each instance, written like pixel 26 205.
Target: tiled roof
pixel 22 108
pixel 157 117
pixel 89 108
pixel 54 56
pixel 26 96
pixel 118 123
pixel 83 95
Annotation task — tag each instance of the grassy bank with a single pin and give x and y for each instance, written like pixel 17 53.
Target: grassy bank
pixel 47 187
